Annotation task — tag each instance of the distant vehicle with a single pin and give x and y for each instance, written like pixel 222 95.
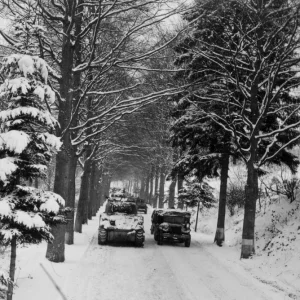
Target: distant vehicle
pixel 120 222
pixel 130 199
pixel 171 224
pixel 118 196
pixel 141 205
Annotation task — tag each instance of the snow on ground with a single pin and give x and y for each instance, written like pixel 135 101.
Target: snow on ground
pixel 168 272
pixel 277 242
pixel 32 281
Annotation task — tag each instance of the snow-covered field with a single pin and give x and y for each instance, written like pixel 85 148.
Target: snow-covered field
pixel 170 272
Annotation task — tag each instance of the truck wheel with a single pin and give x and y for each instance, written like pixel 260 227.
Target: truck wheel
pixel 102 236
pixel 160 239
pixel 187 243
pixel 156 233
pixel 139 239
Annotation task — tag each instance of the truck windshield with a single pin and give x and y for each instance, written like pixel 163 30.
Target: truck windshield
pixel 174 219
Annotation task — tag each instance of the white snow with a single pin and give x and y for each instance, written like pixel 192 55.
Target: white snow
pixel 30 111
pixel 22 217
pixel 122 221
pixel 50 94
pixel 52 202
pixel 5 209
pixel 28 219
pixel 26 64
pixel 15 85
pixel 8 234
pixel 44 92
pixel 51 140
pixel 14 140
pixel 7 167
pixel 203 271
pixel 50 206
pixel 40 92
pixel 42 67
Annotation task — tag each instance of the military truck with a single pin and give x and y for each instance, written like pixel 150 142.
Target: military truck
pixel 171 224
pixel 120 222
pixel 141 205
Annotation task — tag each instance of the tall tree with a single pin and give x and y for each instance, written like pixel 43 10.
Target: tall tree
pixel 248 68
pixel 27 144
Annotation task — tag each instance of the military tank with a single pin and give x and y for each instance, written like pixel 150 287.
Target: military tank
pixel 120 222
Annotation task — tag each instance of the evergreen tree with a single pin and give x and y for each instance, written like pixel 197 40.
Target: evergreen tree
pixel 27 143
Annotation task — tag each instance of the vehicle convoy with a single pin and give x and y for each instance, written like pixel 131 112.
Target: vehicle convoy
pixel 171 224
pixel 120 222
pixel 141 205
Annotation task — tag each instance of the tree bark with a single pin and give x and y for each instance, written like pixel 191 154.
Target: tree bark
pixel 94 186
pixel 142 190
pixel 180 179
pixel 155 197
pixel 82 208
pixel 171 203
pixel 91 209
pixel 151 185
pixel 69 234
pixel 107 185
pixel 56 249
pixel 251 193
pixel 220 234
pixel 147 196
pixel 12 268
pixel 162 187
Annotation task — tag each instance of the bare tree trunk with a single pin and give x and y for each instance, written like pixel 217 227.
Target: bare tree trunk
pixel 82 208
pixel 107 185
pixel 69 234
pixel 172 186
pixel 180 178
pixel 99 187
pixel 220 234
pixel 251 189
pixel 94 186
pixel 251 193
pixel 12 268
pixel 56 249
pixel 142 190
pixel 155 197
pixel 91 209
pixel 85 186
pixel 151 185
pixel 162 186
pixel 102 189
pixel 147 196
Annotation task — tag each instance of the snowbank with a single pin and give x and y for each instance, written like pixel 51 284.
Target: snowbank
pixel 277 231
pixel 32 281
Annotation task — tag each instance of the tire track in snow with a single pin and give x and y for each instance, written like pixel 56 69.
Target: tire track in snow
pixel 211 276
pixel 243 279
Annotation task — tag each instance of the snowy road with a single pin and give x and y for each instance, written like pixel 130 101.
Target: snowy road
pixel 168 272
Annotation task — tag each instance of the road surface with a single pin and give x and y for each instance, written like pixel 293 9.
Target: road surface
pixel 167 272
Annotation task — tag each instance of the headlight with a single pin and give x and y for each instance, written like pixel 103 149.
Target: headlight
pixel 188 226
